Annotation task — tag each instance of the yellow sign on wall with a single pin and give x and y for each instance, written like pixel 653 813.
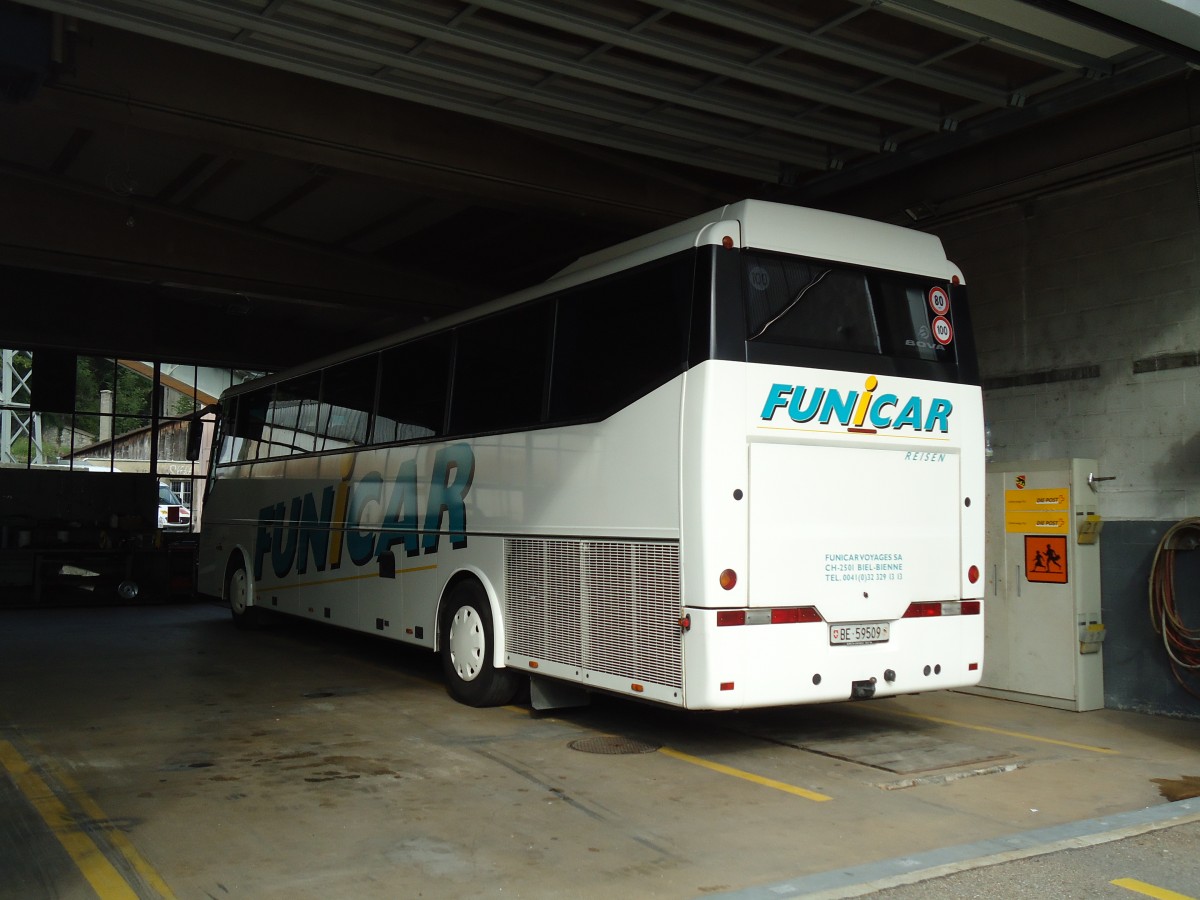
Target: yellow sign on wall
pixel 1037 511
pixel 1038 499
pixel 1037 523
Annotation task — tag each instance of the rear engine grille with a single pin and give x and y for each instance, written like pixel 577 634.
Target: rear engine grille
pixel 606 606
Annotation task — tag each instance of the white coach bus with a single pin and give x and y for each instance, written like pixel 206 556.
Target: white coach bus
pixel 738 462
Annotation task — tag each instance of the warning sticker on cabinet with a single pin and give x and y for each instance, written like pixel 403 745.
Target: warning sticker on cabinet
pixel 1046 559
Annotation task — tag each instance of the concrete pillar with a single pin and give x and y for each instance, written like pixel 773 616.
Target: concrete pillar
pixel 106 422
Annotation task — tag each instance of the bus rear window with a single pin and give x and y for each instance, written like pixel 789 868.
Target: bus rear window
pixel 797 302
pixel 809 304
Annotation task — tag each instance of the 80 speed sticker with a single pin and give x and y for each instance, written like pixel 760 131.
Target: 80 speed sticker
pixel 939 300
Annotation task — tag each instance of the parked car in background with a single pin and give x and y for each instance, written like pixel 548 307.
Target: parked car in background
pixel 173 515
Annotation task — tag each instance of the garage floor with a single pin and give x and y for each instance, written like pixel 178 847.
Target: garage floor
pixel 158 751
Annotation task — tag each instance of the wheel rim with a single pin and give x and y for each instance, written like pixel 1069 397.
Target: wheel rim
pixel 468 643
pixel 237 591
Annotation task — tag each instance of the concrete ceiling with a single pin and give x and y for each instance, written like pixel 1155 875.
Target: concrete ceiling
pixel 184 177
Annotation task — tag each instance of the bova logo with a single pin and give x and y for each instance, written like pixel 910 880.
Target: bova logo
pixel 862 412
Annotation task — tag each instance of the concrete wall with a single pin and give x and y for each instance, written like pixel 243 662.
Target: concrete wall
pixel 1087 315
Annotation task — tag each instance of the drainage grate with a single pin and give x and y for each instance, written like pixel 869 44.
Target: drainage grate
pixel 612 745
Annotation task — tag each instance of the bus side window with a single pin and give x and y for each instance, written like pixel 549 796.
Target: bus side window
pixel 227 440
pixel 500 370
pixel 249 425
pixel 620 339
pixel 414 379
pixel 347 395
pixel 292 417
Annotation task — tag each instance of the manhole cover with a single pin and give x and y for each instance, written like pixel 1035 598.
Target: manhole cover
pixel 611 744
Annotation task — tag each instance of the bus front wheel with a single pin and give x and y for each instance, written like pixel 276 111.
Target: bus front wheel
pixel 467 645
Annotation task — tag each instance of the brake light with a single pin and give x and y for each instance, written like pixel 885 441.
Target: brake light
pixel 795 614
pixel 926 610
pixel 783 616
pixel 922 610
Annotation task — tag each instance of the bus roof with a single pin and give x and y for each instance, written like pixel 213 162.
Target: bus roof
pixel 756 224
pixel 789 229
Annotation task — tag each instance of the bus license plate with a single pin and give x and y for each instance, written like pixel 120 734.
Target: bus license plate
pixel 861 633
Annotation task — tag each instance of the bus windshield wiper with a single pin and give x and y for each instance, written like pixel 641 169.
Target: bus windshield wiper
pixel 787 309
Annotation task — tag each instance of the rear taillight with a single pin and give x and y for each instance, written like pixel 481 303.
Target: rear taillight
pixel 925 610
pixel 922 610
pixel 781 616
pixel 795 614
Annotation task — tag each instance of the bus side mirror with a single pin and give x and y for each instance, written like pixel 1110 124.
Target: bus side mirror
pixel 195 433
pixel 195 438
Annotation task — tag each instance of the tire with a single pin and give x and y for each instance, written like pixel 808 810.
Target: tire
pixel 468 642
pixel 237 590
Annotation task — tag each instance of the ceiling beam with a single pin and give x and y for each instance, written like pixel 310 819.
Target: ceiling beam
pixel 219 103
pixel 773 28
pixel 556 17
pixel 1075 97
pixel 434 92
pixel 73 228
pixel 1125 20
pixel 963 22
pixel 395 65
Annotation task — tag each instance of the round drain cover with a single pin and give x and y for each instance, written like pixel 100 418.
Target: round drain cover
pixel 612 744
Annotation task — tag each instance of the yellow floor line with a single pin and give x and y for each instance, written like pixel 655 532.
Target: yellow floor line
pixel 1140 887
pixel 116 837
pixel 1006 732
pixel 747 776
pixel 105 880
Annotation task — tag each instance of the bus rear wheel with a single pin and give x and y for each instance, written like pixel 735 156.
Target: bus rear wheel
pixel 237 589
pixel 468 641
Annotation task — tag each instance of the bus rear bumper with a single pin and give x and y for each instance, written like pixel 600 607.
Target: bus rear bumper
pixel 747 666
